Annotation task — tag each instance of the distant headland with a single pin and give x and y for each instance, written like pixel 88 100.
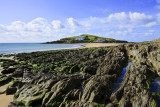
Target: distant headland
pixel 86 38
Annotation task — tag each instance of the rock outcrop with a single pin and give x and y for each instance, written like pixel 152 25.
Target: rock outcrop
pixel 86 77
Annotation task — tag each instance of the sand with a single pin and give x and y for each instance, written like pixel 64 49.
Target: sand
pixel 90 45
pixel 5 99
pixel 11 57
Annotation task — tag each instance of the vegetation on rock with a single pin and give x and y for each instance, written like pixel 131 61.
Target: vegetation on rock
pixel 85 77
pixel 87 39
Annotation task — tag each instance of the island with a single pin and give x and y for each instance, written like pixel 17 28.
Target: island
pixel 86 38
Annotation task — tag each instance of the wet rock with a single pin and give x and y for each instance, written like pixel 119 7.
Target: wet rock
pixel 8 71
pixel 11 90
pixel 16 104
pixel 4 80
pixel 53 82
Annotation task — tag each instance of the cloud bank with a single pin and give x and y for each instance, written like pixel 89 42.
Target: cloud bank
pixel 131 26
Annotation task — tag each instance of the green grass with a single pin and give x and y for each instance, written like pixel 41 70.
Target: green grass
pixel 91 38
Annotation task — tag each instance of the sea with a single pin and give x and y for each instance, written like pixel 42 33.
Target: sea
pixel 12 48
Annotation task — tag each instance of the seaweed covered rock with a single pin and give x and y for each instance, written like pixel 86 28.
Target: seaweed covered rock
pixel 4 79
pixel 8 71
pixel 86 77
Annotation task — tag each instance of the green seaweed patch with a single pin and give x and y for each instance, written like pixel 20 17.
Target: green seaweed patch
pixel 36 98
pixel 55 104
pixel 32 100
pixel 154 103
pixel 7 63
pixel 16 95
pixel 5 80
pixel 148 83
pixel 74 69
pixel 153 94
pixel 101 105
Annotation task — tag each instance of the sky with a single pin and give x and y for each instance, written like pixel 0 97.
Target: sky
pixel 27 21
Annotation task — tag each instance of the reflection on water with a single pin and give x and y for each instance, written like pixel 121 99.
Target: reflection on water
pixel 120 79
pixel 156 86
pixel 156 89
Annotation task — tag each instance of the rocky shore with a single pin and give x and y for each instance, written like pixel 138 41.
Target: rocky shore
pixel 83 77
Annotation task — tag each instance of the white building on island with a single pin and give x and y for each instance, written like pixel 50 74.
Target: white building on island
pixel 80 38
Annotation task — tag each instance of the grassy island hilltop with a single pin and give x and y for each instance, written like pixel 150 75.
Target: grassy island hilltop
pixel 87 38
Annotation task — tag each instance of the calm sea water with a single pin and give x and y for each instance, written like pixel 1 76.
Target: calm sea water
pixel 31 47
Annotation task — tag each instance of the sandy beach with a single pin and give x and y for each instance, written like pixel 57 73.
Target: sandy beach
pixel 5 99
pixel 11 57
pixel 91 45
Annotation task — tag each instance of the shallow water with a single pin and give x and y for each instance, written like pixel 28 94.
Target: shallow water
pixel 120 79
pixel 156 86
pixel 31 47
pixel 156 89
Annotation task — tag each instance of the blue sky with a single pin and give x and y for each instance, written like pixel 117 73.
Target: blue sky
pixel 48 20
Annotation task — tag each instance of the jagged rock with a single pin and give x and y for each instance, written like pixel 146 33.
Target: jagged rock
pixel 61 88
pixel 80 104
pixel 97 88
pixel 4 80
pixel 11 90
pixel 8 71
pixel 16 104
pixel 57 84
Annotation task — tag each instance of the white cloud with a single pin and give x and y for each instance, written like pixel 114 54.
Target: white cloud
pixel 38 25
pixel 117 25
pixel 96 19
pixel 2 28
pixel 149 33
pixel 16 26
pixel 73 23
pixel 118 33
pixel 19 31
pixel 121 17
pixel 126 20
pixel 151 24
pixel 57 25
pixel 140 17
pixel 129 27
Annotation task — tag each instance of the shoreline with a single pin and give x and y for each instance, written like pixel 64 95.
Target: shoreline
pixel 13 53
pixel 92 45
pixel 79 46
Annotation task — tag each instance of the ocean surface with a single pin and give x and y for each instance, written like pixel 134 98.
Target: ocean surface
pixel 9 48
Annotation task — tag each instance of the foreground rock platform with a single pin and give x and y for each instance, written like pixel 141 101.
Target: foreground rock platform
pixel 85 77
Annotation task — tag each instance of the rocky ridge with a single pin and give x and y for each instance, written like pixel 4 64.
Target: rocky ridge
pixel 86 77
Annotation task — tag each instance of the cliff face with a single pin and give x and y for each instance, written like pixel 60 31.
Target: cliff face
pixel 86 77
